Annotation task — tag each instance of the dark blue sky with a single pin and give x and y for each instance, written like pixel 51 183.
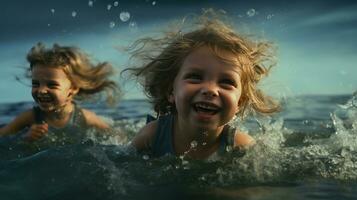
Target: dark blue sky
pixel 23 18
pixel 316 39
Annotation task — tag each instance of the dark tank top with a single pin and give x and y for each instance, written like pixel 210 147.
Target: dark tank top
pixel 163 141
pixel 72 132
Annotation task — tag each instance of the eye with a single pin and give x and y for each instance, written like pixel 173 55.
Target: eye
pixel 52 85
pixel 228 83
pixel 35 84
pixel 193 77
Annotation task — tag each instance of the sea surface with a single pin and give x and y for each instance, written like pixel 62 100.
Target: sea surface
pixel 308 151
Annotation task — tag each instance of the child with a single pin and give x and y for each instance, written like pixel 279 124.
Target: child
pixel 60 75
pixel 198 82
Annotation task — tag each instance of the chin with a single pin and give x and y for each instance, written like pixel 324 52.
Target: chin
pixel 206 126
pixel 47 108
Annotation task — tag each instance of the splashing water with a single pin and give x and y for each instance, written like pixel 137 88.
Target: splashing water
pixel 193 144
pixel 109 167
pixel 352 103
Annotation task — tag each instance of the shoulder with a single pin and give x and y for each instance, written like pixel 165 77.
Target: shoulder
pixel 243 140
pixel 20 122
pixel 94 120
pixel 144 138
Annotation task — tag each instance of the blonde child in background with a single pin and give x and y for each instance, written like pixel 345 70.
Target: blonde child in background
pixel 198 81
pixel 60 75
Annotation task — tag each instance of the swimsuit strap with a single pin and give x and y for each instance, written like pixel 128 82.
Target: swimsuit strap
pixel 227 138
pixel 162 143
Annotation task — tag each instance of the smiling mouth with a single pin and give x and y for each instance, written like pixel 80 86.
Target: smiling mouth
pixel 206 108
pixel 44 99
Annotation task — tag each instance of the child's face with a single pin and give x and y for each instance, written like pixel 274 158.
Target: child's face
pixel 51 88
pixel 206 91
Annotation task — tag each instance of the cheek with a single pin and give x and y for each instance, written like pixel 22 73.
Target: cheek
pixel 234 100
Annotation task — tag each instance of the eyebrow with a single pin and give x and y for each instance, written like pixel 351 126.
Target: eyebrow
pixel 193 69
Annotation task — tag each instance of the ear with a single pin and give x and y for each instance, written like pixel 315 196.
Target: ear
pixel 74 90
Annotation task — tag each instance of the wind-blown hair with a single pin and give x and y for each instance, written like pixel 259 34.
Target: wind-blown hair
pixel 161 59
pixel 89 78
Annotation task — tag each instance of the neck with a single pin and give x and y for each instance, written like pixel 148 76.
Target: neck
pixel 61 112
pixel 193 141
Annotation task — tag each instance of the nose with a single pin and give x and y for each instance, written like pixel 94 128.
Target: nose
pixel 209 90
pixel 42 89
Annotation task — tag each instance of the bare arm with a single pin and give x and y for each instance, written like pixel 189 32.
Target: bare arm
pixel 93 120
pixel 143 140
pixel 243 140
pixel 20 122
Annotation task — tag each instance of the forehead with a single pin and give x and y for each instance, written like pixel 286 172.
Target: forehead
pixel 205 57
pixel 48 72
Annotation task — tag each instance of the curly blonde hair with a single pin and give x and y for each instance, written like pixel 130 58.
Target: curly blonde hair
pixel 162 58
pixel 89 78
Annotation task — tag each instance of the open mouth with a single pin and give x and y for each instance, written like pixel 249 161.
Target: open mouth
pixel 44 99
pixel 206 108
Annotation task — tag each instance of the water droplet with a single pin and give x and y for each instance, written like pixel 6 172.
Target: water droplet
pixel 111 24
pixel 133 27
pixel 146 157
pixel 48 24
pixel 53 11
pixel 185 162
pixel 251 12
pixel 306 122
pixel 328 125
pixel 124 16
pixel 90 3
pixel 202 178
pixel 109 7
pixel 193 144
pixel 74 13
pixel 270 16
pixel 229 148
pixel 116 3
pixel 154 3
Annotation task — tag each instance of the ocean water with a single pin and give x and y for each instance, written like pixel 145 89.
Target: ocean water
pixel 308 151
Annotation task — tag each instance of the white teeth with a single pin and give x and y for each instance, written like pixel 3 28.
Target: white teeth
pixel 44 98
pixel 206 106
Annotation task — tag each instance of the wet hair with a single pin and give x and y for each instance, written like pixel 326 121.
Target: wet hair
pixel 161 59
pixel 83 74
